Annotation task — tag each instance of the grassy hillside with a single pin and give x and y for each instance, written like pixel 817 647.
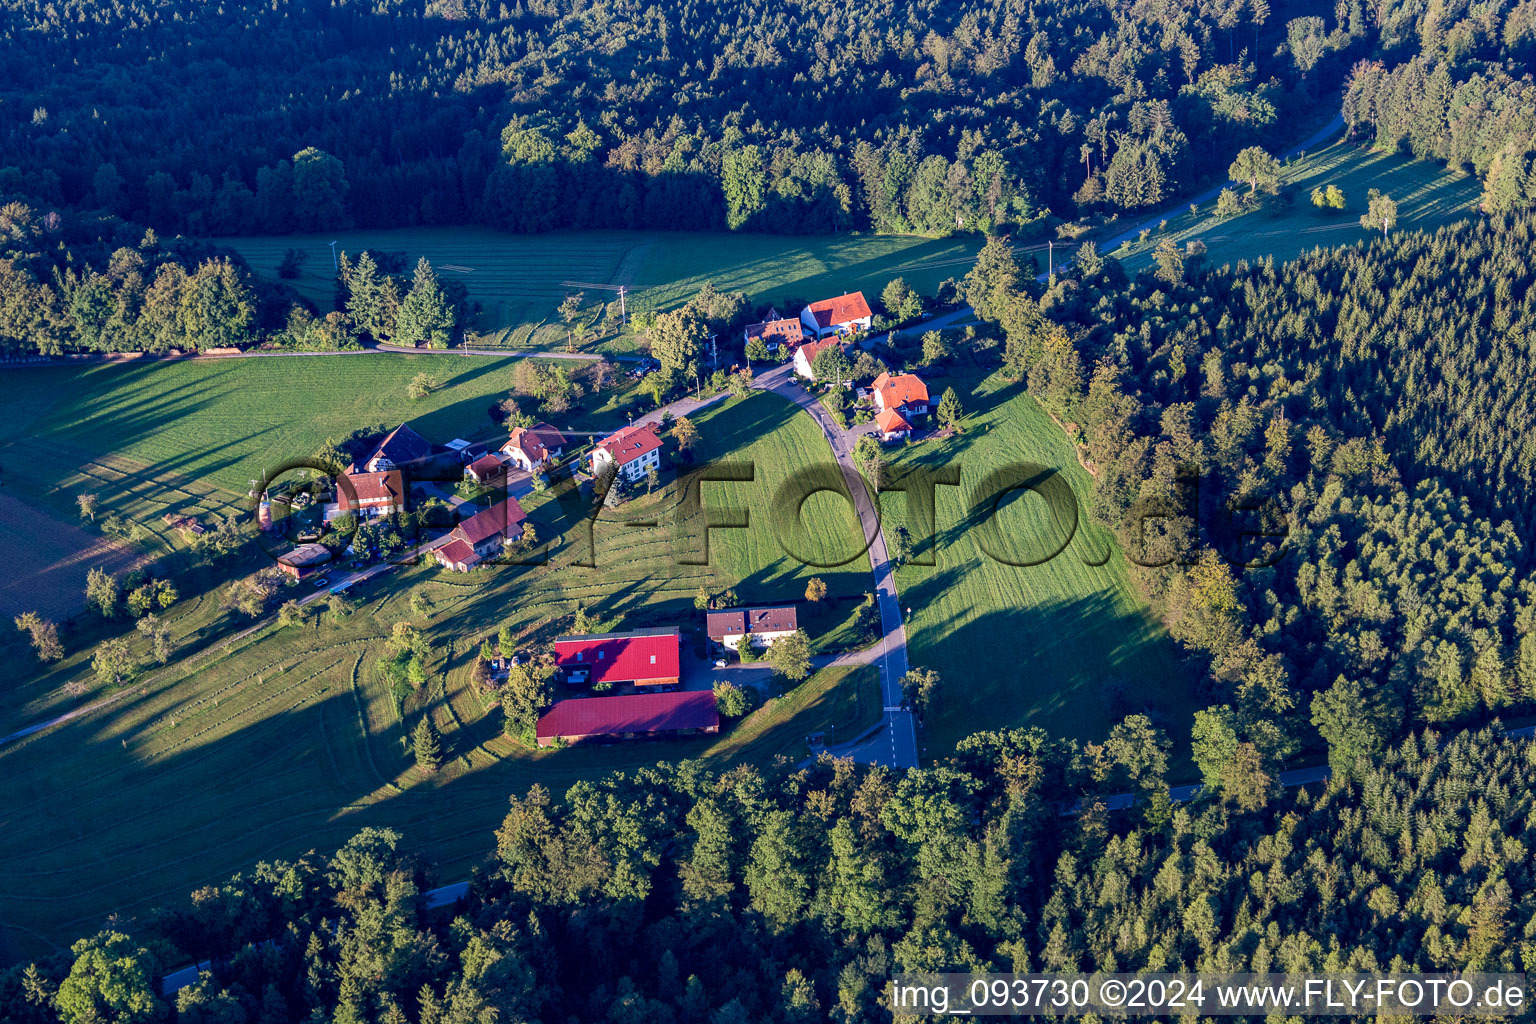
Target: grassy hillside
pixel 1065 645
pixel 519 280
pixel 286 739
pixel 1427 196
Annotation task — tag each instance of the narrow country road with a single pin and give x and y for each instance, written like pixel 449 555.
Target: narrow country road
pixel 895 744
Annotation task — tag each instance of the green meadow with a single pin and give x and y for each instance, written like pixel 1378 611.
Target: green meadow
pixel 519 280
pixel 1020 638
pixel 1427 196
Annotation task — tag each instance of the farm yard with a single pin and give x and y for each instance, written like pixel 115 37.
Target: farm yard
pixel 1427 196
pixel 293 733
pixel 267 743
pixel 519 280
pixel 1065 645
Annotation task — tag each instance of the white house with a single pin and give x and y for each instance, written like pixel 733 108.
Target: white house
pixel 636 450
pixel 728 626
pixel 845 314
pixel 530 448
pixel 891 425
pixel 903 392
pixel 805 356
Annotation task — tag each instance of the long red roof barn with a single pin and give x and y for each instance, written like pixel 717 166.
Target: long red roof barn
pixel 645 657
pixel 630 714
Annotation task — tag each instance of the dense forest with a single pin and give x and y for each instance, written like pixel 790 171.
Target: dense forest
pixel 1452 82
pixel 1365 407
pixel 675 895
pixel 791 116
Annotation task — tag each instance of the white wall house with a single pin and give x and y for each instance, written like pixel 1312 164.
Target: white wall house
pixel 766 625
pixel 636 450
pixel 845 314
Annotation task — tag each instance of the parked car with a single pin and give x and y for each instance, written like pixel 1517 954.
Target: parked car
pixel 323 581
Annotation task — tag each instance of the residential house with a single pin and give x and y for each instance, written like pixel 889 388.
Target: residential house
pixel 644 657
pixel 776 333
pixel 629 716
pixel 457 555
pixel 727 626
pixel 304 560
pixel 636 450
pixel 368 495
pixel 530 448
pixel 891 425
pixel 400 447
pixel 805 356
pixel 483 535
pixel 486 468
pixel 904 393
pixel 846 314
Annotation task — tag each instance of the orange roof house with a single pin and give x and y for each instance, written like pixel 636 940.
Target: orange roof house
pixel 891 425
pixel 531 447
pixel 777 332
pixel 904 392
pixel 370 494
pixel 635 450
pixel 844 314
pixel 805 356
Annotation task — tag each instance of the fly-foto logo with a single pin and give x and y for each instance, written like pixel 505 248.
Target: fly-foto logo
pixel 1156 531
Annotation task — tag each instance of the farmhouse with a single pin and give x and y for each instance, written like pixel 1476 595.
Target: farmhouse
pixel 846 314
pixel 728 626
pixel 635 450
pixel 645 657
pixel 891 425
pixel 482 535
pixel 629 716
pixel 400 447
pixel 904 393
pixel 805 356
pixel 486 467
pixel 457 555
pixel 777 332
pixel 304 560
pixel 367 495
pixel 530 448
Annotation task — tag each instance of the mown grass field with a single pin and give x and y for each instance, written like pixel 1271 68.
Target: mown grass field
pixel 519 280
pixel 1066 645
pixel 268 744
pixel 1427 196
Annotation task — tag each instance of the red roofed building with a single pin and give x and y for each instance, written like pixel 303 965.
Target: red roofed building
pixel 531 447
pixel 629 716
pixel 727 626
pixel 645 657
pixel 457 555
pixel 483 533
pixel 486 467
pixel 366 495
pixel 777 332
pixel 891 425
pixel 636 450
pixel 845 314
pixel 805 356
pixel 904 393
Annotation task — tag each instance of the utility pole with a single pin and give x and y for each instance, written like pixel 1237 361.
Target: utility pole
pixel 623 313
pixel 335 267
pixel 1050 258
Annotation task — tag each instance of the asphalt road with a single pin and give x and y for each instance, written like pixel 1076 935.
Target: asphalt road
pixel 896 743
